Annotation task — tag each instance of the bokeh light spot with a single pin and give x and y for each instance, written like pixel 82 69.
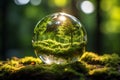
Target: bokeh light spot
pixel 35 2
pixel 87 7
pixel 21 2
pixel 60 3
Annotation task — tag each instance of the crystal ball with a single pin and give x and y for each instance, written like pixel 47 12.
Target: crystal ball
pixel 59 38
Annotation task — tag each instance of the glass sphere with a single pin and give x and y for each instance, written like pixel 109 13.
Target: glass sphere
pixel 59 38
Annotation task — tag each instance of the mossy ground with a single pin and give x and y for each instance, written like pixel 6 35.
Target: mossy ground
pixel 90 67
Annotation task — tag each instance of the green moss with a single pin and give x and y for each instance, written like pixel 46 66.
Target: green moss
pixel 57 48
pixel 90 58
pixel 106 59
pixel 90 67
pixel 29 60
pixel 106 67
pixel 111 60
pixel 105 73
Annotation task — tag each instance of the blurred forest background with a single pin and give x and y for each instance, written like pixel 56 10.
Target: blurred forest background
pixel 101 18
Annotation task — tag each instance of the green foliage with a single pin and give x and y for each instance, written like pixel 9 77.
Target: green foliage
pixel 90 67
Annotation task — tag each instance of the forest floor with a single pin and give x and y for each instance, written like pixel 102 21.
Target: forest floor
pixel 90 66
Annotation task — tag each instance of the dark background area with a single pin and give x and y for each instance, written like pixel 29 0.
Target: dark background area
pixel 101 18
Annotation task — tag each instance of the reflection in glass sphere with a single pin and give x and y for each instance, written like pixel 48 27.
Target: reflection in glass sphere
pixel 59 38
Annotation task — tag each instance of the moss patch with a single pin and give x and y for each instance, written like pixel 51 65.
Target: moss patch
pixel 90 67
pixel 58 49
